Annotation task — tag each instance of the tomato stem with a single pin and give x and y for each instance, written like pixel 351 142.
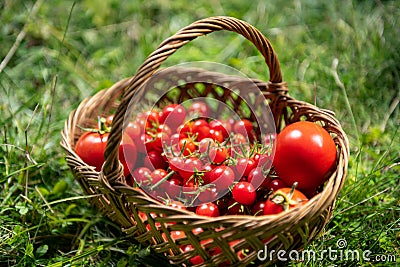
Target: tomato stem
pixel 166 177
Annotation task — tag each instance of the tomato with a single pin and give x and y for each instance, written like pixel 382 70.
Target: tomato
pixel 133 130
pixel 90 148
pixel 223 202
pixel 208 194
pixel 200 129
pixel 172 187
pixel 173 115
pixel 235 208
pixel 208 209
pixel 244 127
pixel 185 129
pixel 270 207
pixel 223 126
pixel 152 119
pixel 257 178
pixel 216 135
pixel 191 166
pixel 283 200
pixel 177 235
pixel 154 160
pixel 222 176
pixel 277 184
pixel 157 175
pixel 187 146
pixel 127 154
pixel 156 142
pixel 244 166
pixel 142 175
pixel 305 153
pixel 244 193
pixel 199 109
pixel 262 160
pixel 176 163
pixel 195 260
pixel 207 168
pixel 258 208
pixel 218 154
pixel 205 145
pixel 164 128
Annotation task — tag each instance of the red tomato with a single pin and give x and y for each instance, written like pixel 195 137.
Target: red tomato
pixel 187 146
pixel 90 148
pixel 244 127
pixel 208 194
pixel 223 126
pixel 172 187
pixel 157 175
pixel 258 208
pixel 164 128
pixel 200 109
pixel 152 119
pixel 208 209
pixel 217 136
pixel 156 142
pixel 154 160
pixel 277 184
pixel 218 154
pixel 142 175
pixel 91 145
pixel 134 131
pixel 191 166
pixel 207 168
pixel 222 176
pixel 205 145
pixel 281 200
pixel 258 178
pixel 235 208
pixel 173 115
pixel 200 129
pixel 244 166
pixel 244 193
pixel 305 153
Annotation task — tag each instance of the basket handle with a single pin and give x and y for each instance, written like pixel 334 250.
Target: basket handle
pixel 111 169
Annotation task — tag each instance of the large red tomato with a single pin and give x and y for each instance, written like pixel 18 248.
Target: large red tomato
pixel 305 153
pixel 91 145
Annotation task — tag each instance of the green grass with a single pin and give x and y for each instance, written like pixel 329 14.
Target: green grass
pixel 345 51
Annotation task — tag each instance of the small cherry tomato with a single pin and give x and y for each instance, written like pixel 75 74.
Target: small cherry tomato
pixel 244 193
pixel 173 115
pixel 244 166
pixel 223 126
pixel 222 176
pixel 244 127
pixel 199 109
pixel 218 154
pixel 208 209
pixel 187 146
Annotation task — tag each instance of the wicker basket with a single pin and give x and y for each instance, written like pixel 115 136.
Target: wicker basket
pixel 121 203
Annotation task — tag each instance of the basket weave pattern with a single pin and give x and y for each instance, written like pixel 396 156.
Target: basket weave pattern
pixel 121 203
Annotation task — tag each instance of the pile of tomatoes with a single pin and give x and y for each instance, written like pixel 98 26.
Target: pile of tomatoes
pixel 188 160
pixel 217 166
